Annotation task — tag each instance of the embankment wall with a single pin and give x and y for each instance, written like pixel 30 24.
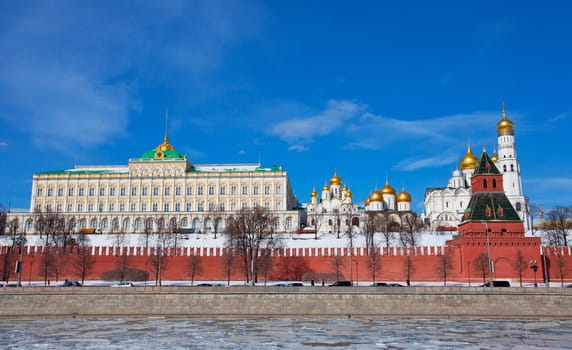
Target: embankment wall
pixel 287 302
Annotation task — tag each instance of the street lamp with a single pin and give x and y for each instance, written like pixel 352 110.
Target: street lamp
pixel 489 254
pixel 534 267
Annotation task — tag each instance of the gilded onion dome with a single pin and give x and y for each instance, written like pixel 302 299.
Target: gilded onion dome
pixel 367 201
pixel 505 126
pixel 387 189
pixel 326 188
pixel 403 196
pixel 376 197
pixel 349 194
pixel 495 156
pixel 469 160
pixel 314 194
pixel 335 180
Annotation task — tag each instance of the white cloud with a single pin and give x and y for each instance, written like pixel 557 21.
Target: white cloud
pixel 3 144
pixel 301 131
pixel 411 164
pixel 242 151
pixel 71 81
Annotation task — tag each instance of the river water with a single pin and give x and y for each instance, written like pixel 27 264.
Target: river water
pixel 283 333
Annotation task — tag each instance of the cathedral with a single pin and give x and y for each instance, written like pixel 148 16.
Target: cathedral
pixel 335 212
pixel 445 206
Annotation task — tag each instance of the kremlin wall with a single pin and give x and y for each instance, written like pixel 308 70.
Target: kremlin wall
pixel 491 221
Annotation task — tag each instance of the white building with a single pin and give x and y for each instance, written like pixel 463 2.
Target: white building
pixel 444 206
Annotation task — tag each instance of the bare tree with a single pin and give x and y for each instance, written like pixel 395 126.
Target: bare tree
pixel 533 212
pixel 338 263
pixel 316 220
pixel 519 265
pixel 481 265
pixel 410 226
pixel 445 266
pixel 386 234
pixel 3 219
pixel 409 269
pixel 561 267
pixel 373 261
pixel 85 260
pixel 249 234
pixel 194 267
pixel 122 260
pixel 557 226
pixel 159 261
pixel 228 264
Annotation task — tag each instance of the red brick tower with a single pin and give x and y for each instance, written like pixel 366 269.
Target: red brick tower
pixel 491 217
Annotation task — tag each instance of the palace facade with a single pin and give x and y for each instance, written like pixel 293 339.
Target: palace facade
pixel 160 189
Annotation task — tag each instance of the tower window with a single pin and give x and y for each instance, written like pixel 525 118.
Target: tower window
pixel 512 167
pixel 494 183
pixel 485 183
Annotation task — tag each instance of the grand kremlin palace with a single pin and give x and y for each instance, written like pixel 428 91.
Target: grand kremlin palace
pixel 160 189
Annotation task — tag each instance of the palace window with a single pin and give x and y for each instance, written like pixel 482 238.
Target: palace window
pixel 134 190
pixel 233 206
pixel 122 191
pixel 222 190
pixel 266 205
pixel 111 207
pixel 211 206
pixel 102 191
pixel 121 207
pixel 211 190
pixel 155 207
pixel 60 191
pixel 70 208
pixel 221 206
pixel 278 189
pixel 112 191
pixel 50 191
pixel 40 191
pixel 144 206
pixel 166 207
pixel 48 208
pixel 177 190
pixel 266 189
pixel 189 190
pixel 233 190
pixel 200 190
pixel 80 207
pixel 155 190
pixel 167 190
pixel 244 205
pixel 59 208
pixel 144 191
pixel 244 189
pixel 81 192
pixel 278 207
pixel 133 206
pixel 100 207
pixel 91 191
pixel 189 206
pixel 255 189
pixel 200 206
pixel 177 206
pixel 90 207
pixel 70 192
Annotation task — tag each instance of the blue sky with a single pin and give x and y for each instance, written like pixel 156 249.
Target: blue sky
pixel 371 89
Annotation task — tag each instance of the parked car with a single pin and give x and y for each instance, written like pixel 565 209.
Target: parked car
pixel 122 285
pixel 204 285
pixel 497 284
pixel 341 284
pixel 71 284
pixel 295 284
pixel 383 284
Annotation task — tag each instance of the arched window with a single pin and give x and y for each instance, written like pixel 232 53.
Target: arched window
pixel 518 206
pixel 485 183
pixel 512 167
pixel 494 183
pixel 504 168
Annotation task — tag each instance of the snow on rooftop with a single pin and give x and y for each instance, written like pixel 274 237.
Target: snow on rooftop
pixel 227 167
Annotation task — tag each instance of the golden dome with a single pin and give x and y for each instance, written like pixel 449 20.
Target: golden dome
pixel 165 146
pixel 349 194
pixel 314 194
pixel 367 201
pixel 495 156
pixel 326 188
pixel 387 189
pixel 376 197
pixel 335 180
pixel 469 160
pixel 403 196
pixel 505 126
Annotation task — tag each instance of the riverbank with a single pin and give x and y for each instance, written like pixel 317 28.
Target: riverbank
pixel 288 302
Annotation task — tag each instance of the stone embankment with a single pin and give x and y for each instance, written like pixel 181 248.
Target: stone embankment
pixel 287 302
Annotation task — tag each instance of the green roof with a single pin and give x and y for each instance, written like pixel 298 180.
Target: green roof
pixel 486 166
pixel 490 206
pixel 168 154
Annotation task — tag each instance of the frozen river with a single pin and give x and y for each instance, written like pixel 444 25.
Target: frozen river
pixel 283 333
